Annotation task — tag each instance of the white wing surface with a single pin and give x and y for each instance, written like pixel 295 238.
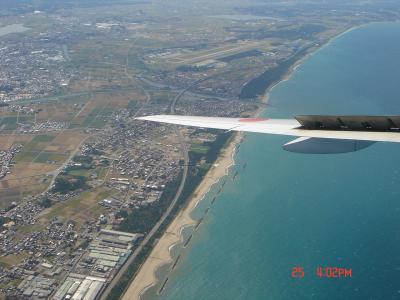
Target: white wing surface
pixel 314 139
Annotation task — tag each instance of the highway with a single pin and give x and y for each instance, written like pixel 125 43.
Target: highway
pixel 153 231
pixel 185 152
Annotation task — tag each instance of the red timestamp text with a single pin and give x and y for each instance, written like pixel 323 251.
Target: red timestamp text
pixel 334 272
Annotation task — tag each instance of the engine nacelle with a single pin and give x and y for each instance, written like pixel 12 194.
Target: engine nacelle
pixel 325 146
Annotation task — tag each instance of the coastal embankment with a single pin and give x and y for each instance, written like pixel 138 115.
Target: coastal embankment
pixel 160 255
pixel 279 213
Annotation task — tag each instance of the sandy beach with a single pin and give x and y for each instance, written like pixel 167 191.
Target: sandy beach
pixel 146 277
pixel 160 255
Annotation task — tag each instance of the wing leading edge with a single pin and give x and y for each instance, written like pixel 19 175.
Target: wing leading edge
pixel 313 139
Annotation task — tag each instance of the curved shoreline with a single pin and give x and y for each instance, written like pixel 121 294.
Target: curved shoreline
pixel 161 254
pixel 299 62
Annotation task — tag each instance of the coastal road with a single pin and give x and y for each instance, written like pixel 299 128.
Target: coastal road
pixel 156 227
pixel 185 150
pixel 153 231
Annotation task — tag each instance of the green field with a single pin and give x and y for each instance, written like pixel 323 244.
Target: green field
pixel 44 157
pixel 9 123
pixel 199 148
pixel 79 172
pixel 26 156
pixel 43 138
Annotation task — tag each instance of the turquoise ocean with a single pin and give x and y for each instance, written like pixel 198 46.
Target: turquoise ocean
pixel 285 209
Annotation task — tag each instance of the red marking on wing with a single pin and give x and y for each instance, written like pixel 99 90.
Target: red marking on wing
pixel 252 120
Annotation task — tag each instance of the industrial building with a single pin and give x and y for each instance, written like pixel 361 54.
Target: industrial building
pixel 79 287
pixel 36 287
pixel 104 256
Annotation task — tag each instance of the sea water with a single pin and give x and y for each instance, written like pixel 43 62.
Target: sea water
pixel 285 210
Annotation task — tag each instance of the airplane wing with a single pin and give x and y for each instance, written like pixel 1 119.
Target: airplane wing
pixel 318 134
